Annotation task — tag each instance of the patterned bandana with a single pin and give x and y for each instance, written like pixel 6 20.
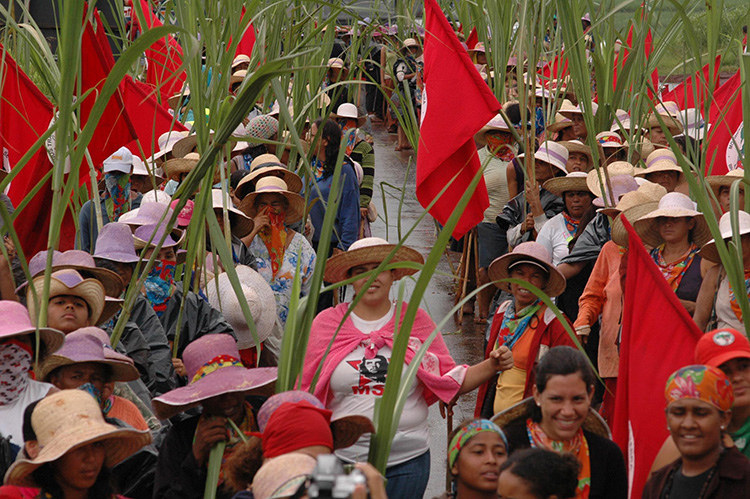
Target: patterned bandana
pixel 515 324
pixel 705 383
pixel 462 437
pixel 318 168
pixel 733 299
pixel 502 146
pixel 158 285
pixel 571 224
pixel 675 271
pixel 274 237
pixel 578 446
pixel 15 364
pixel 350 136
pixel 116 194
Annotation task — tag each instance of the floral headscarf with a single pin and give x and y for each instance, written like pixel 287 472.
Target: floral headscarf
pixel 705 383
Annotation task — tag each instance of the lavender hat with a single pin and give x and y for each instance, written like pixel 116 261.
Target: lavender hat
pixel 148 213
pixel 90 344
pixel 213 368
pixel 80 261
pixel 115 243
pixel 16 322
pixel 154 234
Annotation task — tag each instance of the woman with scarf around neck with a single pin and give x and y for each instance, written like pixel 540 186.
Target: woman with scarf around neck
pixel 354 371
pixel 559 418
pixel 676 232
pixel 523 324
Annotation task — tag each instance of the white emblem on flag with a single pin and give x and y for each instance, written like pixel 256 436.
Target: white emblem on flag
pixel 736 149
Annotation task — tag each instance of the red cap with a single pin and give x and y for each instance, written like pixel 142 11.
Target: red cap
pixel 721 345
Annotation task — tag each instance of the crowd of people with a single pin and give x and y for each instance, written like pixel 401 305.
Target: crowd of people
pixel 183 402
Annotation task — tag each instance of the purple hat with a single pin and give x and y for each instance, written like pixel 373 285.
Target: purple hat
pixel 148 213
pixel 16 322
pixel 213 368
pixel 150 235
pixel 532 253
pixel 90 344
pixel 80 261
pixel 621 185
pixel 115 243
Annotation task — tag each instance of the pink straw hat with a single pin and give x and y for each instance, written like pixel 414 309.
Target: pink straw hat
pixel 17 322
pixel 80 261
pixel 531 253
pixel 370 250
pixel 213 368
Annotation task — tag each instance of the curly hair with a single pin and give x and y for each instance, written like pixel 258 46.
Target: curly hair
pixel 243 464
pixel 545 472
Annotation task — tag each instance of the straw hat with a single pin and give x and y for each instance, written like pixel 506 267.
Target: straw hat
pixel 237 77
pixel 531 253
pixel 166 142
pixel 17 322
pixel 553 153
pixel 176 99
pixel 370 250
pixel 621 121
pixel 154 233
pixel 633 214
pixel 68 282
pixel 240 59
pixel 560 122
pixel 709 251
pixel 181 164
pixel 497 123
pixel 336 63
pixel 150 212
pixel 274 185
pixel 282 476
pixel 672 205
pixel 615 169
pixel 90 344
pixel 80 261
pixel 661 160
pixel 213 368
pixel 572 182
pixel 521 411
pixel 669 113
pixel 718 181
pixel 611 140
pixel 578 146
pixel 647 193
pixel 247 184
pixel 239 223
pixel 259 298
pixel 350 112
pixel 693 124
pixel 67 420
pixel 411 42
pixel 569 111
pixel 141 169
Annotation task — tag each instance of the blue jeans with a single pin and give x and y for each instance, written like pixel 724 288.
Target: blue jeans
pixel 408 480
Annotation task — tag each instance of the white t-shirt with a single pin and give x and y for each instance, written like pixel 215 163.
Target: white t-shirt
pixel 555 237
pixel 11 415
pixel 355 385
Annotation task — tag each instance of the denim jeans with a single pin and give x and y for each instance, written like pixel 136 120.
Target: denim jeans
pixel 408 480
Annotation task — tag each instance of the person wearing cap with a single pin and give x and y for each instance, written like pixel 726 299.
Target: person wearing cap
pixel 116 198
pixel 699 405
pixel 165 293
pixel 263 127
pixel 17 354
pixel 523 324
pixel 721 184
pixel 716 305
pixel 538 204
pixel 353 373
pixel 676 231
pixel 78 450
pixel 557 233
pixel 219 385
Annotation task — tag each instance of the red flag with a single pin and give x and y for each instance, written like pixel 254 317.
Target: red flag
pixel 697 85
pixel 649 353
pixel 248 39
pixel 726 132
pixel 553 72
pixel 456 104
pixel 473 39
pixel 25 114
pixel 164 59
pixel 648 47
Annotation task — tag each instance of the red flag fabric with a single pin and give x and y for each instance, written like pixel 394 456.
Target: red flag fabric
pixel 248 39
pixel 473 39
pixel 553 72
pixel 456 103
pixel 648 47
pixel 25 114
pixel 164 59
pixel 697 85
pixel 649 353
pixel 726 133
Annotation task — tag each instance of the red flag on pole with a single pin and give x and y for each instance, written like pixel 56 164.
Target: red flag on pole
pixel 473 39
pixel 622 57
pixel 726 132
pixel 553 72
pixel 456 104
pixel 649 353
pixel 692 92
pixel 25 114
pixel 247 42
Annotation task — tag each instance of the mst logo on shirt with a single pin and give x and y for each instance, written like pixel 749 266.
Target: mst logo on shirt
pixel 372 375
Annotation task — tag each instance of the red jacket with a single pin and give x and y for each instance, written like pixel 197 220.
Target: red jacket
pixel 550 333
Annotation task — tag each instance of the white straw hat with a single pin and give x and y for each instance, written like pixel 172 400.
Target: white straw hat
pixel 661 160
pixel 672 205
pixel 553 153
pixel 370 250
pixel 709 251
pixel 274 185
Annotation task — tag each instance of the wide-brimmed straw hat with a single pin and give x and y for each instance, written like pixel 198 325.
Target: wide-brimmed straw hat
pixel 17 322
pixel 282 476
pixel 80 261
pixel 213 368
pixel 370 250
pixel 669 113
pixel 237 77
pixel 621 121
pixel 718 181
pixel 336 63
pixel 174 167
pixel 560 122
pixel 709 251
pixel 267 169
pixel 633 214
pixel 274 185
pixel 259 297
pixel 67 420
pixel 615 169
pixel 90 344
pixel 346 430
pixel 240 59
pixel 578 146
pixel 166 142
pixel 553 153
pixel 350 112
pixel 693 124
pixel 176 99
pixel 410 42
pixel 572 182
pixel 672 205
pixel 68 282
pixel 240 224
pixel 568 112
pixel 661 160
pixel 520 412
pixel 150 212
pixel 115 243
pixel 648 192
pixel 497 123
pixel 154 234
pixel 531 253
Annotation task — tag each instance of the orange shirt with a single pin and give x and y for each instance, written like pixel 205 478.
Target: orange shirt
pixel 126 411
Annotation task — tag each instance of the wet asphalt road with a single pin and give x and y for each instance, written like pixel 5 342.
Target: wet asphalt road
pixel 395 170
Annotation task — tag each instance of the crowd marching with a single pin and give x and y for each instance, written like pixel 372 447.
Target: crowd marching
pixel 185 381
